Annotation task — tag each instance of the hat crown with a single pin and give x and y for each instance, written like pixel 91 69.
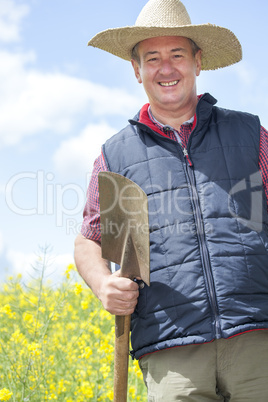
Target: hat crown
pixel 220 47
pixel 163 13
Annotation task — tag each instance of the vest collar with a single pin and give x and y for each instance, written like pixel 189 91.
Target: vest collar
pixel 203 111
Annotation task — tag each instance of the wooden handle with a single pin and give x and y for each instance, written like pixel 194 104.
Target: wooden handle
pixel 121 358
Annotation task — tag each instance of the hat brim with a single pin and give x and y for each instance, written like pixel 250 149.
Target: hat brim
pixel 220 47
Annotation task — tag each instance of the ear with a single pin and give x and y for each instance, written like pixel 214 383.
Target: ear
pixel 136 69
pixel 198 60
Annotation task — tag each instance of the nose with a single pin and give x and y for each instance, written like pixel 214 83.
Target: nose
pixel 166 67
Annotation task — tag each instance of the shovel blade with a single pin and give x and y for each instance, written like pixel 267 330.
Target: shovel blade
pixel 124 225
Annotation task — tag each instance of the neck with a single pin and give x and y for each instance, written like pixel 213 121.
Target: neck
pixel 174 118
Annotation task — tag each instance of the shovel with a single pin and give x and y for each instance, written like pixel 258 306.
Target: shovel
pixel 124 241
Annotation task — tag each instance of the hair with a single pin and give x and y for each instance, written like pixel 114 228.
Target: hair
pixel 135 54
pixel 135 51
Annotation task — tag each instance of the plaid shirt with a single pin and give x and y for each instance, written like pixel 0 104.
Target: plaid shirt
pixel 91 223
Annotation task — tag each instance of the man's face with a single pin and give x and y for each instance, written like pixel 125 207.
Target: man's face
pixel 168 71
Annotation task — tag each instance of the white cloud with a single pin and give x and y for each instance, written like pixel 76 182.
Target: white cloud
pixel 252 91
pixel 248 90
pixel 245 74
pixel 32 101
pixel 30 265
pixel 75 156
pixel 11 14
pixel 19 262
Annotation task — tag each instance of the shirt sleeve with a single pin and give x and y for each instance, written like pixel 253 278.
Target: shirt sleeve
pixel 91 222
pixel 263 160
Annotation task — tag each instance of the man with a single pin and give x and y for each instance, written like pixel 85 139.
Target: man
pixel 204 170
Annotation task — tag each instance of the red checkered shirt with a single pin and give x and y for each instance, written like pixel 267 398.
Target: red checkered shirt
pixel 91 223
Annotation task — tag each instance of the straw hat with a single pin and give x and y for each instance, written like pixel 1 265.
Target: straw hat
pixel 220 47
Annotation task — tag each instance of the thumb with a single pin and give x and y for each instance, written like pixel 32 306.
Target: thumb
pixel 117 273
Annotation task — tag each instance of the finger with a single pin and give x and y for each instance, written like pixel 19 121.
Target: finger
pixel 123 303
pixel 123 308
pixel 125 284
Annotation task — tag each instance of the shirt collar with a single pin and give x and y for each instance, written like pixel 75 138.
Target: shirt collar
pixel 165 126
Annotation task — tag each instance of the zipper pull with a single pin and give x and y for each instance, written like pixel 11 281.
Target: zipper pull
pixel 186 155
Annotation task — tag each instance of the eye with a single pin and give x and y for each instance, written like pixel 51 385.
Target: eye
pixel 152 59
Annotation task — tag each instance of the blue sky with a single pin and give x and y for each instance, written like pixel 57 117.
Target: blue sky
pixel 60 100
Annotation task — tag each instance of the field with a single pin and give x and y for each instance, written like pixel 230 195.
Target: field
pixel 57 343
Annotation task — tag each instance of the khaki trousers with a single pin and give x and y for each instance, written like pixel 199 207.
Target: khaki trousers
pixel 234 369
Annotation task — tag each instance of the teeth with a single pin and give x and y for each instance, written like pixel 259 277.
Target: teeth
pixel 168 84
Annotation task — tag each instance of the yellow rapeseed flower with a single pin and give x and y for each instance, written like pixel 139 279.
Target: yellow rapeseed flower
pixel 6 309
pixel 34 348
pixel 59 343
pixel 96 330
pixel 86 389
pixel 84 304
pixel 70 267
pixel 87 352
pixel 105 370
pixel 5 394
pixel 28 317
pixel 62 385
pixel 78 288
pixel 18 338
pixel 52 396
pixel 132 391
pixel 110 395
pixel 33 299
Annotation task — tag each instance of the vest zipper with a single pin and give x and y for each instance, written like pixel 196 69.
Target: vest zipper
pixel 202 241
pixel 200 234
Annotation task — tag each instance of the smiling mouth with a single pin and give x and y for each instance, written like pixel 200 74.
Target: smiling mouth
pixel 168 84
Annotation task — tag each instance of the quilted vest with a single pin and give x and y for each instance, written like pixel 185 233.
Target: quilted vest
pixel 208 228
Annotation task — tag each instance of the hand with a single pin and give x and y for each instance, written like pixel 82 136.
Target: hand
pixel 119 295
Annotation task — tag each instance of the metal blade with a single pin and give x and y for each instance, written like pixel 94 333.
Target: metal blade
pixel 124 225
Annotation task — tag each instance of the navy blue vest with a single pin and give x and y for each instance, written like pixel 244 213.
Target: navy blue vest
pixel 208 228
